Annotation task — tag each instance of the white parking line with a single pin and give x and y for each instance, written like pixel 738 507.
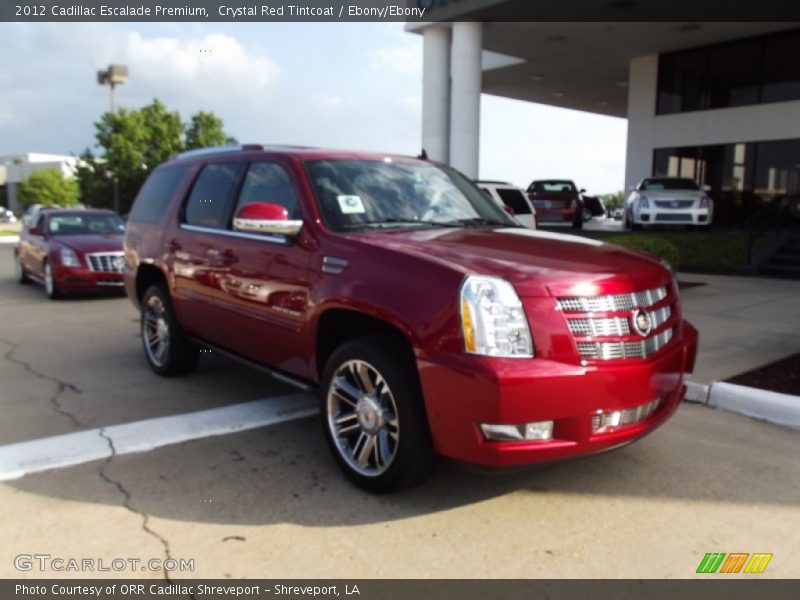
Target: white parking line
pixel 18 460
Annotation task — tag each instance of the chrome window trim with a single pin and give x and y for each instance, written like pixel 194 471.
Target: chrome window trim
pixel 270 238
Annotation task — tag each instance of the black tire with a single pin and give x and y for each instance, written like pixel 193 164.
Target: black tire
pixel 587 215
pixel 578 224
pixel 399 423
pixel 21 276
pixel 178 355
pixel 50 284
pixel 635 226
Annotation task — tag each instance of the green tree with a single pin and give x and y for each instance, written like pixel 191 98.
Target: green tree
pixel 48 186
pixel 613 201
pixel 132 143
pixel 205 129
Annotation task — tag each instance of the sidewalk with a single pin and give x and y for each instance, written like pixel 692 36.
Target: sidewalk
pixel 744 322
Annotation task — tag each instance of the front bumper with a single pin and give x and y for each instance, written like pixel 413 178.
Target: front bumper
pixel 690 216
pixel 82 279
pixel 463 391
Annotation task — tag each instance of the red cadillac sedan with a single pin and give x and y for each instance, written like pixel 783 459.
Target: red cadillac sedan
pixel 72 250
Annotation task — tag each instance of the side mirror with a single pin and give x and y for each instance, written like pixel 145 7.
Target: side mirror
pixel 266 218
pixel 582 191
pixel 35 231
pixel 706 188
pixel 508 209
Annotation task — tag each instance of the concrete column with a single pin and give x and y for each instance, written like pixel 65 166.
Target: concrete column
pixel 436 93
pixel 642 90
pixel 465 114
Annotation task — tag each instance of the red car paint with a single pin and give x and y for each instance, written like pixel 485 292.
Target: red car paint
pixel 554 206
pixel 39 246
pixel 238 292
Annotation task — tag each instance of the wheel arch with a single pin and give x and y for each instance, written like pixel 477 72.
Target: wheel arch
pixel 336 326
pixel 148 275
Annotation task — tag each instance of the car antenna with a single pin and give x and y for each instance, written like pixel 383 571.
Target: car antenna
pixel 423 155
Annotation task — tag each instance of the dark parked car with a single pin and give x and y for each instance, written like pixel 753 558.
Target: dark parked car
pixel 427 318
pixel 560 201
pixel 72 251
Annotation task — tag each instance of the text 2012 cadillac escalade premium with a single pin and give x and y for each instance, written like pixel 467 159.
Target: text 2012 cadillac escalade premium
pixel 428 319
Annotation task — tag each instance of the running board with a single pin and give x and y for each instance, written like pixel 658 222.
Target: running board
pixel 278 375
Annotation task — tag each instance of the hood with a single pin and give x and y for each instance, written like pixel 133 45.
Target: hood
pixel 538 263
pixel 673 194
pixel 91 243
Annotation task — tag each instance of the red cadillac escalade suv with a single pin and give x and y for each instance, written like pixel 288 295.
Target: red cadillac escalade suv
pixel 428 319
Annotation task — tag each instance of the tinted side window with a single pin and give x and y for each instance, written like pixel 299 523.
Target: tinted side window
pixel 153 199
pixel 515 200
pixel 269 182
pixel 211 202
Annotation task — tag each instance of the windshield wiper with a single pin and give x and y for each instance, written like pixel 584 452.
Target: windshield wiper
pixel 392 221
pixel 482 222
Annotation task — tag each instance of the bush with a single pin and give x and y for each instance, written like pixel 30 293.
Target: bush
pixel 48 186
pixel 650 244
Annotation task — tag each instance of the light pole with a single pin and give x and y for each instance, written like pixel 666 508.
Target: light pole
pixel 112 77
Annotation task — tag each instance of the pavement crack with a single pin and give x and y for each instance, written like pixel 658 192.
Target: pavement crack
pixel 127 502
pixel 61 385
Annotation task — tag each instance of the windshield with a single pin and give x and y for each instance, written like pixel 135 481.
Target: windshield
pixel 668 184
pixel 88 224
pixel 362 194
pixel 560 187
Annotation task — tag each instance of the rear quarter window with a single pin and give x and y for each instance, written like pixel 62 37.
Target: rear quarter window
pixel 515 200
pixel 153 199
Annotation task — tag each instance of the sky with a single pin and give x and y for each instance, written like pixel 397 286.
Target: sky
pixel 340 85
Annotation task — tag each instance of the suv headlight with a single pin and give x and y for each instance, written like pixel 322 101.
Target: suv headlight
pixel 644 202
pixel 69 258
pixel 705 202
pixel 493 321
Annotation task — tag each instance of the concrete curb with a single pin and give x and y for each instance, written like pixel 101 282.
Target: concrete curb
pixel 780 409
pixel 9 239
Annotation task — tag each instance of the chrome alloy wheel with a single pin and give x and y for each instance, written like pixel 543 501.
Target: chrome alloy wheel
pixel 155 331
pixel 362 418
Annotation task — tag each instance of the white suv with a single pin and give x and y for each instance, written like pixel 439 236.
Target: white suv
pixel 506 194
pixel 668 201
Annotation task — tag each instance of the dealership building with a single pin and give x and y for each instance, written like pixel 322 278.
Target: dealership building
pixel 716 102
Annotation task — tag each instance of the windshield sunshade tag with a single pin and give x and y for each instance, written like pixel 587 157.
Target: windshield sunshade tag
pixel 351 205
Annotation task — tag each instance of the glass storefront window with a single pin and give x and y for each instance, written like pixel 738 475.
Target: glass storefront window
pixel 743 176
pixel 740 73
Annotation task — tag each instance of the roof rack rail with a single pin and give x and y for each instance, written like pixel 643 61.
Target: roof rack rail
pixel 217 150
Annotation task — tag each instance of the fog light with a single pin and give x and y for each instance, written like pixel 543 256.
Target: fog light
pixel 521 432
pixel 605 422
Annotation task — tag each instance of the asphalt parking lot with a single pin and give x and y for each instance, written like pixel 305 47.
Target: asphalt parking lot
pixel 269 502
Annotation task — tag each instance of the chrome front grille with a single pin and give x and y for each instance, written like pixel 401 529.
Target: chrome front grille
pixel 106 262
pixel 595 327
pixel 613 350
pixel 674 204
pixel 597 322
pixel 612 303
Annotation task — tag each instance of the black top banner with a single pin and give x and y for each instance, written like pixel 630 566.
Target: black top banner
pixel 411 11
